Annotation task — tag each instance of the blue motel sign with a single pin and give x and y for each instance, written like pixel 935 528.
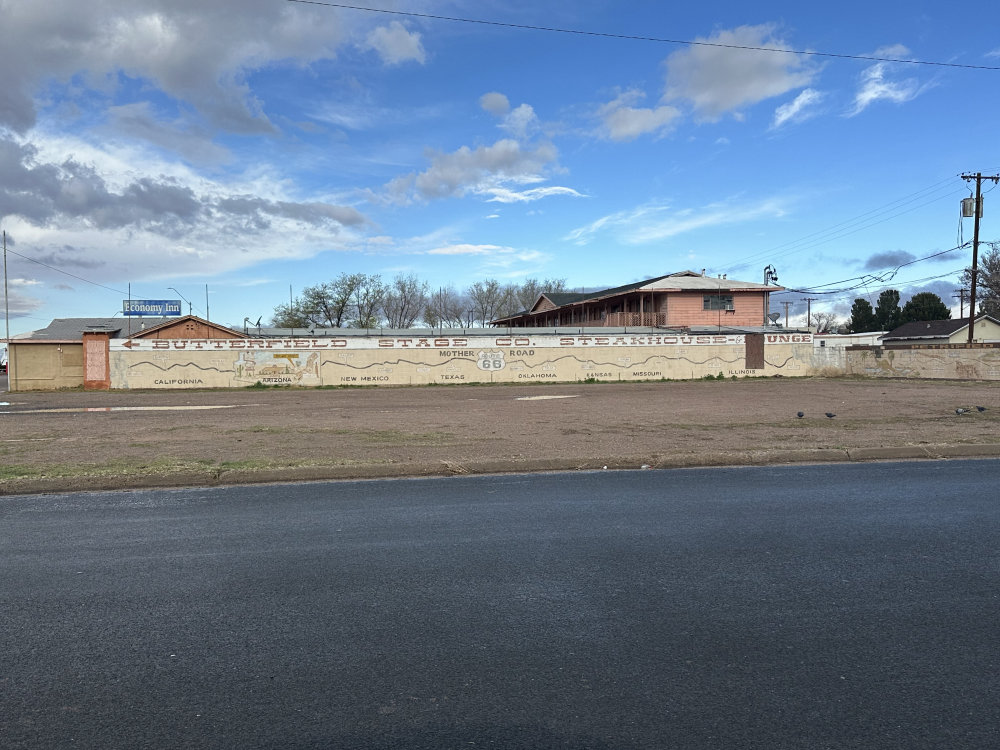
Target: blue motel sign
pixel 159 307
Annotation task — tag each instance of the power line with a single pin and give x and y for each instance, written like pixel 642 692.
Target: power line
pixel 67 273
pixel 847 294
pixel 882 278
pixel 866 220
pixel 631 37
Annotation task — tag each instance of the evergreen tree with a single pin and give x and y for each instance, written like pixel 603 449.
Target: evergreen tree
pixel 862 317
pixel 887 311
pixel 925 306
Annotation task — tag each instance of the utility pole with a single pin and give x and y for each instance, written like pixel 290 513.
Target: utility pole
pixel 6 304
pixel 976 212
pixel 960 296
pixel 770 274
pixel 808 301
pixel 786 303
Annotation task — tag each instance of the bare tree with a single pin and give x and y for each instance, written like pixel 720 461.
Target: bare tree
pixel 366 300
pixel 446 308
pixel 509 303
pixel 487 298
pixel 987 281
pixel 404 301
pixel 324 305
pixel 825 322
pixel 528 291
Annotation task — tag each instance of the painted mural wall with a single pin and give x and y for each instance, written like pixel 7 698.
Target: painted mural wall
pixel 953 362
pixel 401 360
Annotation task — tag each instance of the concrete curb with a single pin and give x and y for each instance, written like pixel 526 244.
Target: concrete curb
pixel 888 454
pixel 493 466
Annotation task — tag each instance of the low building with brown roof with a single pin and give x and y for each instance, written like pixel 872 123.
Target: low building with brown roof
pixel 919 332
pixel 682 300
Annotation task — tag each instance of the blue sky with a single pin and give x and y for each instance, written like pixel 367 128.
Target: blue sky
pixel 251 146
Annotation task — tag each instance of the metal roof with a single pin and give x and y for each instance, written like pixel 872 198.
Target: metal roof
pixel 72 329
pixel 932 329
pixel 681 281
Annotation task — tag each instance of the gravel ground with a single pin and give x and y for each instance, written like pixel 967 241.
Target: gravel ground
pixel 105 440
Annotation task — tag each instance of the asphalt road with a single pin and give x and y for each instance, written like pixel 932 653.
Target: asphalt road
pixel 844 606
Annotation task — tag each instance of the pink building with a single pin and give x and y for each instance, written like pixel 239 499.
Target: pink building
pixel 678 300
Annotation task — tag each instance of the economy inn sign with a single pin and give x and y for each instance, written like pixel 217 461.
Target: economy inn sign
pixel 158 307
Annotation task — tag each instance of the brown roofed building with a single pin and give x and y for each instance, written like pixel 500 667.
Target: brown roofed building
pixel 679 300
pixel 73 352
pixel 987 330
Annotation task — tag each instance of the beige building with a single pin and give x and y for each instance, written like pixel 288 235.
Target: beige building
pixel 923 332
pixel 74 352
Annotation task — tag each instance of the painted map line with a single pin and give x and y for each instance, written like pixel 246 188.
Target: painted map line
pixel 181 364
pixel 553 361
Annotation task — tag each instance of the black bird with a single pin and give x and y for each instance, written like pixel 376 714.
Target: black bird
pixel 980 408
pixel 830 415
pixel 960 411
pixel 800 414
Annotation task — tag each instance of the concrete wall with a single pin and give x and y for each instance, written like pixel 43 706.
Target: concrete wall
pixel 415 360
pixel 399 359
pixel 945 361
pixel 828 360
pixel 46 366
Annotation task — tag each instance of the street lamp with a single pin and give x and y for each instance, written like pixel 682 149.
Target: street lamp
pixel 182 297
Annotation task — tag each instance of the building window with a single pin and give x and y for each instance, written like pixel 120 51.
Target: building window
pixel 718 302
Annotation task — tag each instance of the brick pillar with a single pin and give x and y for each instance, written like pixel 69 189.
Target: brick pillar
pixel 96 361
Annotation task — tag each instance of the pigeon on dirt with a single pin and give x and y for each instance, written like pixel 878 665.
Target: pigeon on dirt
pixel 800 414
pixel 980 408
pixel 960 411
pixel 830 415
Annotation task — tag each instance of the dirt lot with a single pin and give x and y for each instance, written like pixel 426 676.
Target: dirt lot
pixel 96 440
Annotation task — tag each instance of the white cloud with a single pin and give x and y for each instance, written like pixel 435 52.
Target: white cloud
pixel 521 123
pixel 876 85
pixel 191 142
pixel 621 121
pixel 466 249
pixel 395 45
pixel 492 257
pixel 495 103
pixel 118 213
pixel 654 222
pixel 801 108
pixel 477 170
pixel 19 305
pixel 505 195
pixel 199 53
pixel 719 79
